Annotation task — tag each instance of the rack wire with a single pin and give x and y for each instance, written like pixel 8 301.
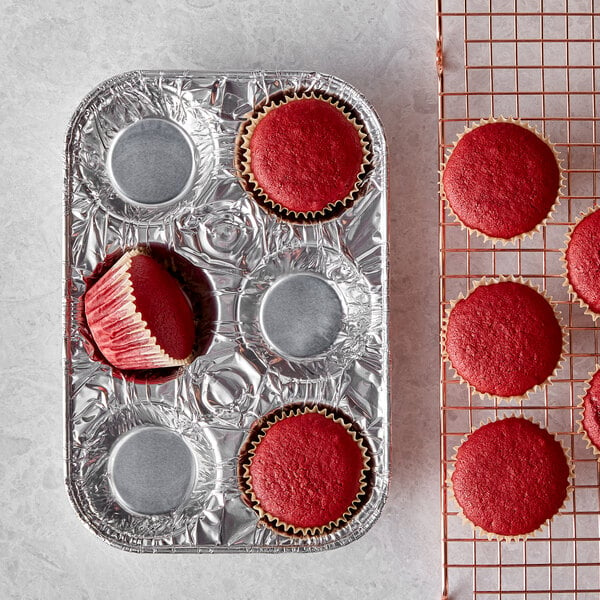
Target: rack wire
pixel 537 60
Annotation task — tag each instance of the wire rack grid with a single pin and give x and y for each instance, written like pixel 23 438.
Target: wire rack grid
pixel 537 60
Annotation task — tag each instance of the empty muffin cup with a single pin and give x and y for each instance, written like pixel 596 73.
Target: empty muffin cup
pixel 151 471
pixel 306 312
pixel 301 315
pixel 152 162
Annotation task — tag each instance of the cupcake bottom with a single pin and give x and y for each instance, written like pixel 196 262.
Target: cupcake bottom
pixel 123 331
pixel 100 319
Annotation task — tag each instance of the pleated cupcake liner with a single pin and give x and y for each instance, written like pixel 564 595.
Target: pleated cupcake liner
pixel 516 398
pixel 244 159
pixel 560 191
pixel 119 331
pixel 524 536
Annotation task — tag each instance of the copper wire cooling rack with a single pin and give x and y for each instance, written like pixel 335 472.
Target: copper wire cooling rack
pixel 537 60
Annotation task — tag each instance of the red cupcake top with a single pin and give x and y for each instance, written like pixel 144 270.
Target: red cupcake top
pixel 307 471
pixel 510 477
pixel 591 411
pixel 503 339
pixel 583 261
pixel 305 154
pixel 501 179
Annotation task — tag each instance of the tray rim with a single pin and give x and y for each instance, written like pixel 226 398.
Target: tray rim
pixel 67 304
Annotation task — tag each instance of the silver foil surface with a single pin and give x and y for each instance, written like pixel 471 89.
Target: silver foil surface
pixel 242 249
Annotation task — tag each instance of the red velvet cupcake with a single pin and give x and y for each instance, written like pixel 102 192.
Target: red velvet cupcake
pixel 502 179
pixel 303 156
pixel 304 471
pixel 510 477
pixel 582 260
pixel 503 339
pixel 590 421
pixel 138 315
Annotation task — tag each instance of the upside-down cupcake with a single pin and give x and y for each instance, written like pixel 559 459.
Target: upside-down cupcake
pixel 582 261
pixel 589 424
pixel 502 179
pixel 504 339
pixel 303 155
pixel 138 315
pixel 510 477
pixel 304 471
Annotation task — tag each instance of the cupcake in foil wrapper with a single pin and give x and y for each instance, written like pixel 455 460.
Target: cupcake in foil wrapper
pixel 510 478
pixel 305 470
pixel 303 155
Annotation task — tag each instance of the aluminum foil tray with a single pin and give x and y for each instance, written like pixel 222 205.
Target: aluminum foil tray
pixel 211 404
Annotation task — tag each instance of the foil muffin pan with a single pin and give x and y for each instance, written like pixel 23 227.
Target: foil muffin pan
pixel 298 312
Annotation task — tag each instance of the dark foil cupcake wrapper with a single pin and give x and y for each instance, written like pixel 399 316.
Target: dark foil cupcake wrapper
pixel 215 226
pixel 257 434
pixel 243 158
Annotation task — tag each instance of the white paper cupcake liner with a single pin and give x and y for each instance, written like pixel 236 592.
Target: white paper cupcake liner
pixel 560 191
pixel 537 387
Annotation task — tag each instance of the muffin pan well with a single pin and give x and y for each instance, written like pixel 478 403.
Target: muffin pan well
pixel 151 471
pixel 290 313
pixel 152 161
